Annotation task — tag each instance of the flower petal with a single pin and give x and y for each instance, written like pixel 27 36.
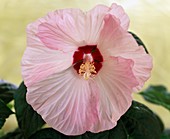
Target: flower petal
pixel 40 62
pixel 73 105
pixel 61 30
pixel 94 23
pixel 115 82
pixel 115 41
pixel 66 102
pixel 119 13
pixel 32 30
pixel 70 28
pixel 95 20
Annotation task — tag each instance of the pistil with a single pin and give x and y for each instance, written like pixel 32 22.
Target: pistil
pixel 87 70
pixel 87 61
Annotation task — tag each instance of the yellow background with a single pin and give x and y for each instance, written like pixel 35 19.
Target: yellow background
pixel 150 20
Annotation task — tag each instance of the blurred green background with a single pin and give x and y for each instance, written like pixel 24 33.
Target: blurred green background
pixel 150 20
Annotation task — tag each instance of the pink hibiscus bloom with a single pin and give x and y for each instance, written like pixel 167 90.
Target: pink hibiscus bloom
pixel 80 68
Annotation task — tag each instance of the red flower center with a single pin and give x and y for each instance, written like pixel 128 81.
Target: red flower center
pixel 87 61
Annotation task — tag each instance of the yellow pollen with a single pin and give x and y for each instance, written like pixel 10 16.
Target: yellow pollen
pixel 87 70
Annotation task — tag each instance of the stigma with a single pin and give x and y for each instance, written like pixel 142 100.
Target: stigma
pixel 87 70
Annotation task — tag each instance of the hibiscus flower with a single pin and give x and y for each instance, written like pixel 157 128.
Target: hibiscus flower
pixel 80 68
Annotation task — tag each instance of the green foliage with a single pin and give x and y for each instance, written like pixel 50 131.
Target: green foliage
pixel 28 120
pixel 17 134
pixel 47 133
pixel 140 123
pixel 2 121
pixel 4 113
pixel 6 91
pixel 166 134
pixel 6 95
pixel 139 41
pixel 157 95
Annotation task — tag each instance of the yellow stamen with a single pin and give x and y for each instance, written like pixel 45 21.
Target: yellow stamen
pixel 87 70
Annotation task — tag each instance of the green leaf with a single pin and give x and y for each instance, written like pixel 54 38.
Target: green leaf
pixel 2 121
pixel 100 135
pixel 119 132
pixel 157 95
pixel 47 133
pixel 28 119
pixel 17 134
pixel 166 134
pixel 139 41
pixel 137 123
pixel 141 123
pixel 1 133
pixel 6 91
pixel 4 113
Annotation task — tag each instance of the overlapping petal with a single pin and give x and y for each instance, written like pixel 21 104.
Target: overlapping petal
pixel 115 82
pixel 66 29
pixel 63 30
pixel 96 17
pixel 118 42
pixel 119 13
pixel 66 102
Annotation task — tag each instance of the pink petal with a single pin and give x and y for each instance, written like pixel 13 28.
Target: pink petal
pixel 40 62
pixel 72 105
pixel 67 28
pixel 32 30
pixel 66 102
pixel 115 41
pixel 95 20
pixel 59 30
pixel 115 82
pixel 119 13
pixel 53 37
pixel 94 23
pixel 70 28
